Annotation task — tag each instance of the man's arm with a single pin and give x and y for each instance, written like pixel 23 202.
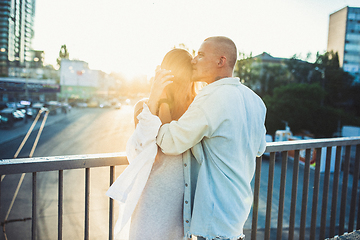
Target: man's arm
pixel 178 136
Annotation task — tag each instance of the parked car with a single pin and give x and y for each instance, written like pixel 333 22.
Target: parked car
pixel 9 116
pixel 105 105
pixel 36 107
pixel 93 104
pixel 54 107
pixel 81 105
pixel 65 107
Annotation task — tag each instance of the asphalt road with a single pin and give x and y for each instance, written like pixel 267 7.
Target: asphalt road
pixel 92 131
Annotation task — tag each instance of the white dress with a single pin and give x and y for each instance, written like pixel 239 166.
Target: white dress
pixel 150 193
pixel 159 212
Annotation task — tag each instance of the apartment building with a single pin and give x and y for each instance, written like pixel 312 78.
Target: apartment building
pixel 344 38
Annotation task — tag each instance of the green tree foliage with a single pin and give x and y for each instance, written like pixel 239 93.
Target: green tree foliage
pixel 301 71
pixel 263 78
pixel 244 68
pixel 335 81
pixel 63 54
pixel 354 94
pixel 316 97
pixel 271 76
pixel 300 105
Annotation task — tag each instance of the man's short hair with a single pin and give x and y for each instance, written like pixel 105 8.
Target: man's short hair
pixel 229 50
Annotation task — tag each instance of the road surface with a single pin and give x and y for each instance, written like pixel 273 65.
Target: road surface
pixel 93 131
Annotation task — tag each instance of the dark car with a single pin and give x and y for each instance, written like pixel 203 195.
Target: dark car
pixel 26 110
pixel 9 116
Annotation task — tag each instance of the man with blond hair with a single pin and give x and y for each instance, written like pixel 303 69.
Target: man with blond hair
pixel 224 128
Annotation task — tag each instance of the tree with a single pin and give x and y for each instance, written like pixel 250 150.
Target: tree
pixel 317 97
pixel 335 81
pixel 300 105
pixel 243 69
pixel 260 76
pixel 63 54
pixel 301 71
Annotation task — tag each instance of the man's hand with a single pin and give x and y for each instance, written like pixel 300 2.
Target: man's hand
pixel 162 79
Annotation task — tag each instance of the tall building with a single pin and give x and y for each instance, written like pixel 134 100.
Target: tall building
pixel 16 33
pixel 344 38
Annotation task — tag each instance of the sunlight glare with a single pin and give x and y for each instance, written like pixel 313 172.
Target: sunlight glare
pixel 132 37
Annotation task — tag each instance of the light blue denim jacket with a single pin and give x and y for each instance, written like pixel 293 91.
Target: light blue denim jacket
pixel 224 128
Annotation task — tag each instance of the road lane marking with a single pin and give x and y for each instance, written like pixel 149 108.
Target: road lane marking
pixel 38 135
pixel 15 195
pixel 28 134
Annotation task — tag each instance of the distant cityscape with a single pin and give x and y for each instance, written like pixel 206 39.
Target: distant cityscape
pixel 23 75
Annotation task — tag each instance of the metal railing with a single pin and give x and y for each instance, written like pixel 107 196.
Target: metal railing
pixel 320 178
pixel 309 145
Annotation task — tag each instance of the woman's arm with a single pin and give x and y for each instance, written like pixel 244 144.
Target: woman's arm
pixel 164 113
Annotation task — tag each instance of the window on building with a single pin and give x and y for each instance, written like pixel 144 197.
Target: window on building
pixel 352 16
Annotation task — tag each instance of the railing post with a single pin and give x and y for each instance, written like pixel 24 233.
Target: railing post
pixel 325 193
pixel 269 195
pixel 282 194
pixel 354 189
pixel 34 217
pixel 60 205
pixel 335 191
pixel 344 190
pixel 357 163
pixel 305 195
pixel 256 198
pixel 87 203
pixel 294 194
pixel 111 205
pixel 315 193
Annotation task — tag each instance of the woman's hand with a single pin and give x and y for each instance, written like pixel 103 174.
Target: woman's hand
pixel 162 79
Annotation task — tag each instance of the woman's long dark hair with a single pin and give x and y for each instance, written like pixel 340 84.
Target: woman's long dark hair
pixel 181 92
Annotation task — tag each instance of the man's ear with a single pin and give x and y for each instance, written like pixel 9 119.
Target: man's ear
pixel 222 61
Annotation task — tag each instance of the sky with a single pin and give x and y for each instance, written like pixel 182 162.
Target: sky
pixel 132 36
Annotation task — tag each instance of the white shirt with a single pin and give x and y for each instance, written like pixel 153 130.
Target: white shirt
pixel 224 126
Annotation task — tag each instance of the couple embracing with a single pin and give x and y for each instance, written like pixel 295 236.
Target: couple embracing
pixel 192 155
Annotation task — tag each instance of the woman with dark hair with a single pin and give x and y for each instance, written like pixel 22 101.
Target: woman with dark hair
pixel 151 189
